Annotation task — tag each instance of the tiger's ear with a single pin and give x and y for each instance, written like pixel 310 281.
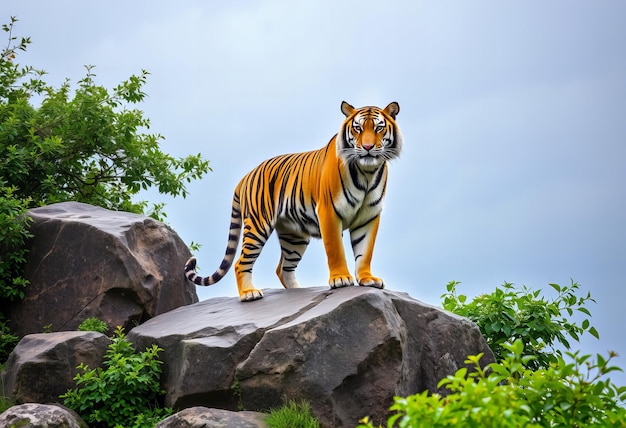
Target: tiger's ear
pixel 347 109
pixel 392 109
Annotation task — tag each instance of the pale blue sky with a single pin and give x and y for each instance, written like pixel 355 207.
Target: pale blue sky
pixel 512 113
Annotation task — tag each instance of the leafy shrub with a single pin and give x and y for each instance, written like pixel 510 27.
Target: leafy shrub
pixel 526 386
pixel 94 324
pixel 509 314
pixel 508 394
pixel 13 235
pixel 87 144
pixel 292 415
pixel 8 340
pixel 125 392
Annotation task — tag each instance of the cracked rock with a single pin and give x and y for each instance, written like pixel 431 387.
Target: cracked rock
pixel 347 352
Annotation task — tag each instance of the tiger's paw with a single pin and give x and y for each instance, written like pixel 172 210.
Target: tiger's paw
pixel 340 281
pixel 250 295
pixel 371 281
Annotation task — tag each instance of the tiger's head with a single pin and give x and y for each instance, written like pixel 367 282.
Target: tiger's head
pixel 369 136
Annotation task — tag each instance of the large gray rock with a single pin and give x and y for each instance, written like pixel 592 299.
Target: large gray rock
pixel 33 415
pixel 87 261
pixel 347 352
pixel 43 366
pixel 202 417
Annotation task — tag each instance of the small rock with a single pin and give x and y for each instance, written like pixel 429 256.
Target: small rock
pixel 42 366
pixel 40 416
pixel 203 417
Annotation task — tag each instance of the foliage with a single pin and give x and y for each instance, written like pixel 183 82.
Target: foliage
pixel 122 393
pixel 508 394
pixel 235 387
pixel 509 314
pixel 5 404
pixel 292 415
pixel 525 386
pixel 13 235
pixel 88 144
pixel 94 324
pixel 8 340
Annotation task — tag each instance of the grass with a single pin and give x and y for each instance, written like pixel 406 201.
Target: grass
pixel 292 415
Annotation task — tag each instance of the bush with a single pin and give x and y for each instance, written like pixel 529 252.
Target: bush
pixel 509 314
pixel 507 394
pixel 87 144
pixel 292 415
pixel 8 340
pixel 13 235
pixel 93 324
pixel 125 392
pixel 526 386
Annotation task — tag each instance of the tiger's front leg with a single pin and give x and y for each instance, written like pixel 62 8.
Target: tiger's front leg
pixel 363 238
pixel 330 228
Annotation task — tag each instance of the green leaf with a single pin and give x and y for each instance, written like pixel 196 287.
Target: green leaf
pixel 557 287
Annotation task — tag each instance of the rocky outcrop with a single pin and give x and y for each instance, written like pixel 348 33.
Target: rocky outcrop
pixel 43 366
pixel 347 352
pixel 87 261
pixel 202 417
pixel 40 416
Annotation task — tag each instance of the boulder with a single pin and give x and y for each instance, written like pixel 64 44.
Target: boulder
pixel 347 352
pixel 87 261
pixel 203 417
pixel 43 366
pixel 33 415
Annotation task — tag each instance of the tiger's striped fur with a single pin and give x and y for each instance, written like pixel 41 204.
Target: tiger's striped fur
pixel 314 194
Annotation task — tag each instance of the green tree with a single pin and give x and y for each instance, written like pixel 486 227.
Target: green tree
pixel 87 144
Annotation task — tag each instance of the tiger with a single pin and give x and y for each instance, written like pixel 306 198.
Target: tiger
pixel 315 194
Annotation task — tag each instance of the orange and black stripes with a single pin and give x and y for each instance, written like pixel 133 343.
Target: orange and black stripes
pixel 314 194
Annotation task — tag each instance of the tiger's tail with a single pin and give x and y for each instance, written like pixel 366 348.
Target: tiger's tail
pixel 234 234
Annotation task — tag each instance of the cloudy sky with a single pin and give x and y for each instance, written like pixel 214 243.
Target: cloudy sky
pixel 512 112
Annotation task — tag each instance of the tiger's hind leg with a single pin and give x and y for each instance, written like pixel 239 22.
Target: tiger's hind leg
pixel 292 248
pixel 253 241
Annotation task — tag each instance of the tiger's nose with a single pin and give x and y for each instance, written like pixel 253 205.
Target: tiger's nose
pixel 368 147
